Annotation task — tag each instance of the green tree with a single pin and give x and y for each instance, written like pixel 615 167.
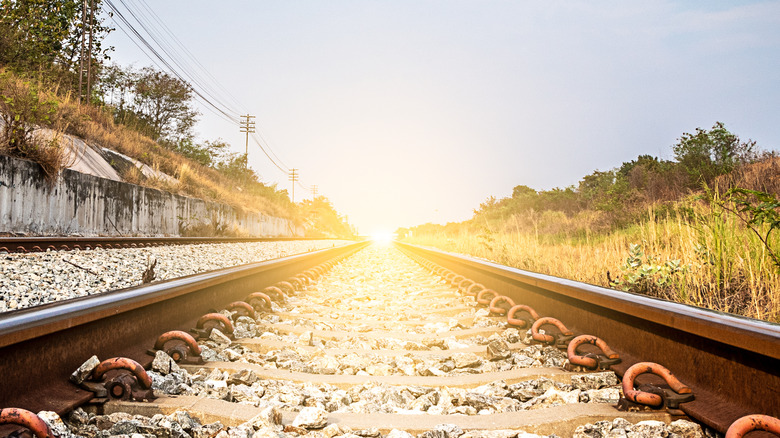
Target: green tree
pixel 321 219
pixel 209 153
pixel 71 50
pixel 165 104
pixel 44 36
pixel 38 29
pixel 522 191
pixel 115 90
pixel 707 154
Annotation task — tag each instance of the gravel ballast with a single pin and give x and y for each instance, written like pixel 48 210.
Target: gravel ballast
pixel 28 280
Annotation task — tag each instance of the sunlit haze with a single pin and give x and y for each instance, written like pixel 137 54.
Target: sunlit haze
pixel 406 112
pixel 382 237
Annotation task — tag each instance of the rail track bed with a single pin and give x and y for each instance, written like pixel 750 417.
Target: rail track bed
pixel 377 341
pixel 14 244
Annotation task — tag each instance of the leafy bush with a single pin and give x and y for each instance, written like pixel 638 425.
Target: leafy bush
pixel 761 214
pixel 23 108
pixel 705 155
pixel 644 275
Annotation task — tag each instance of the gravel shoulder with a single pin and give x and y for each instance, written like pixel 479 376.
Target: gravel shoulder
pixel 28 280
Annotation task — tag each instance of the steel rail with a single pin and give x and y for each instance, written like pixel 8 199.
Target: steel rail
pixel 41 346
pixel 731 362
pixel 57 243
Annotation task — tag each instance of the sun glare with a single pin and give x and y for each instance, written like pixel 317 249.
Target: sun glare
pixel 382 237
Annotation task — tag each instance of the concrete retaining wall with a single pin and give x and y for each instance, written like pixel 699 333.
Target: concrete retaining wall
pixel 81 204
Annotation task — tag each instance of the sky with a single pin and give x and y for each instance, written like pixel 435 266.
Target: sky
pixel 408 112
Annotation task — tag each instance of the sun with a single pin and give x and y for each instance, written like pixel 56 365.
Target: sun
pixel 382 237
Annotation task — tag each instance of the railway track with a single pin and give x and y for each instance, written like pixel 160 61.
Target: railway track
pixel 382 343
pixel 46 243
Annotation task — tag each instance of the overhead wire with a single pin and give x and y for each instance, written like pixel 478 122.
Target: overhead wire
pixel 283 170
pixel 168 65
pixel 259 138
pixel 174 54
pixel 192 57
pixel 204 91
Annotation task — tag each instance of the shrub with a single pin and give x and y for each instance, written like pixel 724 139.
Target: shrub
pixel 23 108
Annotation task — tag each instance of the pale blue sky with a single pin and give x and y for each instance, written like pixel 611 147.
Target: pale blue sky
pixel 405 112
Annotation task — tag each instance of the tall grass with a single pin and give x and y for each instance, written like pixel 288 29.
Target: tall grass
pixel 706 258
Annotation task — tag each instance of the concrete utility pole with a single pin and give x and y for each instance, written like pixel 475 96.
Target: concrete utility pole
pixel 85 57
pixel 89 49
pixel 247 125
pixel 314 189
pixel 294 178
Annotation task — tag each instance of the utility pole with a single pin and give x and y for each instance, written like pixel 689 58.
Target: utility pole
pixel 89 50
pixel 294 178
pixel 247 125
pixel 85 58
pixel 314 190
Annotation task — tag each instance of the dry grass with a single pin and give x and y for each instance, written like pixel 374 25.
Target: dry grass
pixel 195 180
pixel 23 107
pixel 97 128
pixel 722 265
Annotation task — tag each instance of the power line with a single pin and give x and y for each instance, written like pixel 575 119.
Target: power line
pixel 183 70
pixel 268 145
pixel 192 57
pixel 157 55
pixel 269 157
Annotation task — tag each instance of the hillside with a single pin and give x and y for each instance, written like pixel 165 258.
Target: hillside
pixel 699 230
pixel 41 125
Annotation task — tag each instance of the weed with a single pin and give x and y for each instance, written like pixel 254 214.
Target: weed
pixel 643 274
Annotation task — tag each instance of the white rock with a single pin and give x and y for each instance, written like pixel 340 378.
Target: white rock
pixel 218 337
pixel 395 433
pixel 85 370
pixel 163 363
pixel 686 429
pixel 311 418
pixel 648 429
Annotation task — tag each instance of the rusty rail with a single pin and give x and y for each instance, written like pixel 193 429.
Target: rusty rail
pixel 41 346
pixel 731 363
pixel 43 243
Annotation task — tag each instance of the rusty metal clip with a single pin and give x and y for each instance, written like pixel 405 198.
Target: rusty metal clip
pixel 305 280
pixel 286 287
pixel 209 322
pixel 500 299
pixel 749 423
pixel 25 418
pixel 275 293
pixel 259 301
pixel 521 322
pixel 296 282
pixel 457 280
pixel 241 308
pixel 558 340
pixel 653 396
pixel 482 299
pixel 464 284
pixel 137 386
pixel 592 361
pixel 450 276
pixel 179 351
pixel 311 275
pixel 471 289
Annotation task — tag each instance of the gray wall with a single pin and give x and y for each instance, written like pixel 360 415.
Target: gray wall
pixel 81 204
